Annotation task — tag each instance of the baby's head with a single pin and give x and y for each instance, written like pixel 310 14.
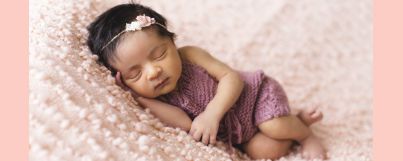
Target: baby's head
pixel 143 54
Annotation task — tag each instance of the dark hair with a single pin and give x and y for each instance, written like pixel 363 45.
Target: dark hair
pixel 111 22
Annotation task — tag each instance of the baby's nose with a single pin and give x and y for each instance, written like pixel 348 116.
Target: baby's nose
pixel 153 72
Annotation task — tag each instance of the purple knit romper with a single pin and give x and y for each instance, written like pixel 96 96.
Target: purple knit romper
pixel 262 99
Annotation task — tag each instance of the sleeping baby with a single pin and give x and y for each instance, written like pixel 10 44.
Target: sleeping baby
pixel 187 87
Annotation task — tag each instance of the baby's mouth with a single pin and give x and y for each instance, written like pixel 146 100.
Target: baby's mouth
pixel 162 83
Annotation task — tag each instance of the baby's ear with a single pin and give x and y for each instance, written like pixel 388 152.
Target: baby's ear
pixel 120 83
pixel 118 80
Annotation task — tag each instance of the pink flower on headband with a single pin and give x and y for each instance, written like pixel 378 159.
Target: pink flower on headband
pixel 145 20
pixel 140 22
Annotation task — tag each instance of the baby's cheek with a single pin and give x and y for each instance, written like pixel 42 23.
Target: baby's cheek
pixel 138 88
pixel 145 90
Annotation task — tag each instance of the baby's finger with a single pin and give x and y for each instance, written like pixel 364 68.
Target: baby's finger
pixel 197 135
pixel 192 130
pixel 205 138
pixel 213 138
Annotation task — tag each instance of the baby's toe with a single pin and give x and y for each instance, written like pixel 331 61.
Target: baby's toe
pixel 317 115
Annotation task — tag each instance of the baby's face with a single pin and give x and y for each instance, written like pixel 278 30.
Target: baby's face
pixel 149 64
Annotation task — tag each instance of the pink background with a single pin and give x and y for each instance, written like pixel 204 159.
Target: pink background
pixel 388 60
pixel 387 82
pixel 14 80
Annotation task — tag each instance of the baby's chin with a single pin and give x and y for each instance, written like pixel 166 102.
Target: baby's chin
pixel 164 91
pixel 167 89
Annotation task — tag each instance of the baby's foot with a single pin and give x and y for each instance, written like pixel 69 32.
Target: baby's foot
pixel 310 115
pixel 312 148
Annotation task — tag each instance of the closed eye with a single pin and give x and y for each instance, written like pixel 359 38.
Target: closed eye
pixel 159 57
pixel 135 76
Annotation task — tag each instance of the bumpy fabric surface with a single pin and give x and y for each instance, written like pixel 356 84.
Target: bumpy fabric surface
pixel 320 51
pixel 262 98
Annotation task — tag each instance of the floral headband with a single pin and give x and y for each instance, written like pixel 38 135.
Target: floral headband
pixel 136 25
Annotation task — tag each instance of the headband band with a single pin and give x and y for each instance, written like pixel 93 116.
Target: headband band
pixel 136 25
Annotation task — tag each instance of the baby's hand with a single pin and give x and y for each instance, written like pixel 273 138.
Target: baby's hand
pixel 205 127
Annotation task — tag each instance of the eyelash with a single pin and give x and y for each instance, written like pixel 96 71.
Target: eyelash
pixel 162 55
pixel 135 77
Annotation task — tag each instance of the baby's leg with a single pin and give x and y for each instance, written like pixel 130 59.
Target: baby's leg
pixel 291 127
pixel 263 147
pixel 286 127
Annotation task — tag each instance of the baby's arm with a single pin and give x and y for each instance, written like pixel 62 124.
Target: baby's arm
pixel 230 84
pixel 169 114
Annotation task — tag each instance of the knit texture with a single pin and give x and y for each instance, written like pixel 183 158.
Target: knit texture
pixel 262 98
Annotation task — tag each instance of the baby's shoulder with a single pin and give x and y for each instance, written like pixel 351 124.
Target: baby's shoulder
pixel 189 52
pixel 188 49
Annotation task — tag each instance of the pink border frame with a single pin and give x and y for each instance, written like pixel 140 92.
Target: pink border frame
pixel 388 60
pixel 14 80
